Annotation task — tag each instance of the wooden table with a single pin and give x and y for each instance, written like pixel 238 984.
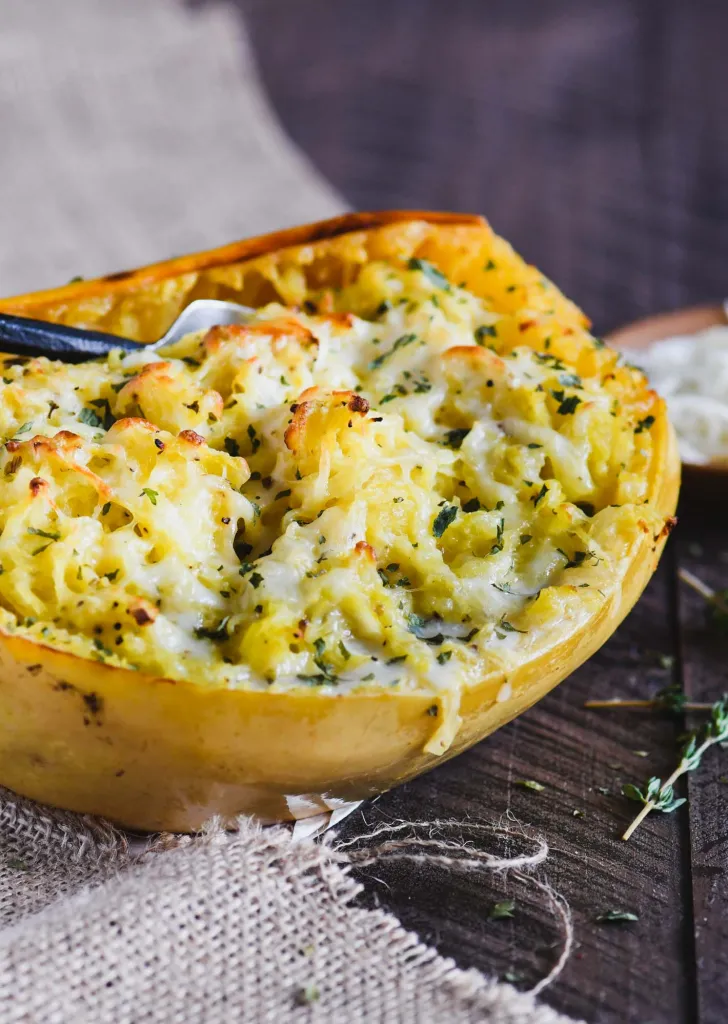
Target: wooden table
pixel 595 137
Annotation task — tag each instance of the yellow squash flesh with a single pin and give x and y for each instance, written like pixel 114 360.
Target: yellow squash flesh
pixel 155 753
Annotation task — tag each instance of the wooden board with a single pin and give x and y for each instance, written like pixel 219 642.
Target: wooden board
pixel 595 137
pixel 582 758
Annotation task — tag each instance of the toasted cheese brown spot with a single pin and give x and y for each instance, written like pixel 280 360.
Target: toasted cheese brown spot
pixel 280 327
pixel 143 612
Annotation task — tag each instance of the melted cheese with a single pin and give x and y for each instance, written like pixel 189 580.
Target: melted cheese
pixel 384 495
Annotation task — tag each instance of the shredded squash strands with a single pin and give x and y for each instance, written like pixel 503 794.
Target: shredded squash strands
pixel 393 485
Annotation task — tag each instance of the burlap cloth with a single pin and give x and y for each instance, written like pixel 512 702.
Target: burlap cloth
pixel 132 131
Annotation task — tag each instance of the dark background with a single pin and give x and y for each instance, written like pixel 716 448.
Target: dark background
pixel 592 133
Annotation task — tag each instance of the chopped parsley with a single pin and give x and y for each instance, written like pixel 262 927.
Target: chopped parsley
pixel 232 447
pixel 433 275
pixel 255 580
pixel 43 533
pixel 219 632
pixel 536 498
pixel 152 495
pixel 472 506
pixel 89 417
pixel 642 425
pixel 504 627
pixel 454 438
pixel 443 519
pixel 567 405
pixel 498 546
pixel 401 342
pixel 417 624
pixel 109 419
pixel 254 439
pixel 483 332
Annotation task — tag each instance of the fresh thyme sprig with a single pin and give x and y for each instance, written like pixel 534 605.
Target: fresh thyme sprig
pixel 657 795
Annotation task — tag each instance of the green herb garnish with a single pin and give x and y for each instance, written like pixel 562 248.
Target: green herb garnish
pixel 443 519
pixel 43 533
pixel 219 632
pixel 483 332
pixel 567 405
pixel 611 916
pixel 254 439
pixel 502 910
pixel 433 275
pixel 89 417
pixel 657 795
pixel 401 342
pixel 454 438
pixel 536 498
pixel 644 424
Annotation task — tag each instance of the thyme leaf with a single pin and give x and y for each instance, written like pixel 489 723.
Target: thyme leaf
pixel 657 795
pixel 610 916
pixel 502 910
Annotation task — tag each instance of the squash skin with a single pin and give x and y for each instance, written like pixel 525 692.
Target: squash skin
pixel 159 754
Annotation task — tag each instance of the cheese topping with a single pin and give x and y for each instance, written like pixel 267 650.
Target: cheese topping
pixel 377 489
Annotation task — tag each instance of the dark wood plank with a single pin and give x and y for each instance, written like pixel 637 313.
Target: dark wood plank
pixel 575 754
pixel 594 136
pixel 703 547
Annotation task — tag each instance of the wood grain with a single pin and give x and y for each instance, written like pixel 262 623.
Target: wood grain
pixel 595 138
pixel 582 758
pixel 703 546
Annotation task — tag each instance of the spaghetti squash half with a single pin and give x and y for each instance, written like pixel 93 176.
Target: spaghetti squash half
pixel 296 561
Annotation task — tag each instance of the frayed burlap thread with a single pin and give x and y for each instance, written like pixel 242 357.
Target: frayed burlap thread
pixel 249 927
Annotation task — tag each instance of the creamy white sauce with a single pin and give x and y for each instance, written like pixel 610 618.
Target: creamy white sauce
pixel 691 373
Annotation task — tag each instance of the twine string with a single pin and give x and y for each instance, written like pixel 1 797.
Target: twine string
pixel 462 855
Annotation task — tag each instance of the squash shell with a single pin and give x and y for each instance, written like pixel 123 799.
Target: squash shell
pixel 162 754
